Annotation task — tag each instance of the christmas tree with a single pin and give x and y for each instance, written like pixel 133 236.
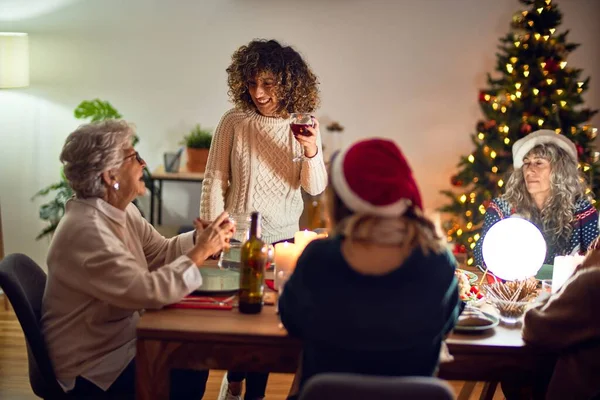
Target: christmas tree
pixel 537 89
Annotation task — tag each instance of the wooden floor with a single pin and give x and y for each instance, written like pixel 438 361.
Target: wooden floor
pixel 14 380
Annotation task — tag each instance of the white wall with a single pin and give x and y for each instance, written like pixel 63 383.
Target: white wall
pixel 404 69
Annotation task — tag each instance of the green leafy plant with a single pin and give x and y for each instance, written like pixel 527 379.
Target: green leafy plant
pixel 198 138
pixel 96 110
pixel 52 211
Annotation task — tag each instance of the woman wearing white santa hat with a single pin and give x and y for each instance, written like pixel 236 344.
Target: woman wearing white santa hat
pixel 357 299
pixel 546 188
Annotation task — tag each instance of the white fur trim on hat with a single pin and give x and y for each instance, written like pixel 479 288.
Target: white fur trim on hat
pixel 353 201
pixel 524 145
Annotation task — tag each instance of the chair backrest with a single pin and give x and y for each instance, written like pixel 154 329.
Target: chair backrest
pixel 23 281
pixel 364 387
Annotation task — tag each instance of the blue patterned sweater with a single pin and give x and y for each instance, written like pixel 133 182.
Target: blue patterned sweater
pixel 585 228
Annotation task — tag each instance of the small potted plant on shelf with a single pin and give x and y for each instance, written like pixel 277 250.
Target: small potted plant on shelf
pixel 197 143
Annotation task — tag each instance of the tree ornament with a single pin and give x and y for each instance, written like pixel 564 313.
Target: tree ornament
pixel 459 248
pixel 580 149
pixel 551 65
pixel 482 96
pixel 456 181
pixel 490 124
pixel 526 128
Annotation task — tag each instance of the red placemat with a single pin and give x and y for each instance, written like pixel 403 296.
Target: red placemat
pixel 205 302
pixel 270 283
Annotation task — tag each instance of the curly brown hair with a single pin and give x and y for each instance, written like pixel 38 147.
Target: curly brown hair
pixel 297 86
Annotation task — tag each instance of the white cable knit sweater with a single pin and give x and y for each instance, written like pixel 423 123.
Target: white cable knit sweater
pixel 250 168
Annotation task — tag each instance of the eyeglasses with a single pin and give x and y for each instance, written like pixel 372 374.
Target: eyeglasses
pixel 137 157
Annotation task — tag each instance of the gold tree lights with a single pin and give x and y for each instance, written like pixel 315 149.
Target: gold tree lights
pixel 537 89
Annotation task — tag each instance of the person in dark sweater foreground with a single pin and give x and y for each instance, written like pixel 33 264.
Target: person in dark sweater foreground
pixel 380 295
pixel 568 325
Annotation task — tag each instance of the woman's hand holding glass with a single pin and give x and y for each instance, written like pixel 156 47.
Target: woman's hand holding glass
pixel 211 237
pixel 306 135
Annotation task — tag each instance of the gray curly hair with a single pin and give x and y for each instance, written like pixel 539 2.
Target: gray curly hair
pixel 567 186
pixel 92 149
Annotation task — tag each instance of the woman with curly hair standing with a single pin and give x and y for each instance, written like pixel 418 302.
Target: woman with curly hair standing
pixel 546 189
pixel 250 164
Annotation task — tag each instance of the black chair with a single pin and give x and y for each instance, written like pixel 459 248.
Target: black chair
pixel 363 387
pixel 23 282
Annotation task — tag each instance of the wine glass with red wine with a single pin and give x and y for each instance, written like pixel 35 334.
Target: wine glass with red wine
pixel 299 122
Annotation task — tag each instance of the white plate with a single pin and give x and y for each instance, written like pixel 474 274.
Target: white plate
pixel 494 319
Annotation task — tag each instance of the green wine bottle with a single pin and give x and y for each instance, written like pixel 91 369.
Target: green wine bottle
pixel 254 262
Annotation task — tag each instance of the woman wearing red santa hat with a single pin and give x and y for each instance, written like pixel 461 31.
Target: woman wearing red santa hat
pixel 357 299
pixel 546 188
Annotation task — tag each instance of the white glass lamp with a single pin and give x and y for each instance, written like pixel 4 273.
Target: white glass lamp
pixel 514 249
pixel 14 60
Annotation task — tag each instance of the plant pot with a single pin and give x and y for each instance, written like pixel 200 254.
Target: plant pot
pixel 196 159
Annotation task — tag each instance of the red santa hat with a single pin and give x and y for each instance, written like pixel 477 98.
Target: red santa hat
pixel 372 176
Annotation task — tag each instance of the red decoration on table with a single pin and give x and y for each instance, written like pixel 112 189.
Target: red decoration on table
pixel 270 283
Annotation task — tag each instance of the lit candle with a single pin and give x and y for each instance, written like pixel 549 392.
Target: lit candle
pixel 564 266
pixel 303 238
pixel 286 256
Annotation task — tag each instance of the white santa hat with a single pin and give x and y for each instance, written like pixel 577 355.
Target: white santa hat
pixel 524 145
pixel 372 176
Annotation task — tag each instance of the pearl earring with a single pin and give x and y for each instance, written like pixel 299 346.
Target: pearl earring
pixel 116 185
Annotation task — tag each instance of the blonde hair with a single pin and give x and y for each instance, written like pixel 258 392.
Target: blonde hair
pixel 91 150
pixel 410 231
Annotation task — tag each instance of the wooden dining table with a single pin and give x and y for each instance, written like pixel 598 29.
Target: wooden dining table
pixel 228 340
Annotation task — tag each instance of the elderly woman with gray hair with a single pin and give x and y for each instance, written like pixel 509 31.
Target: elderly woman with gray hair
pixel 106 264
pixel 546 189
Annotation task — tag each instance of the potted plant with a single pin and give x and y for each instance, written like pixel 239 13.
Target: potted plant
pixel 197 143
pixel 53 210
